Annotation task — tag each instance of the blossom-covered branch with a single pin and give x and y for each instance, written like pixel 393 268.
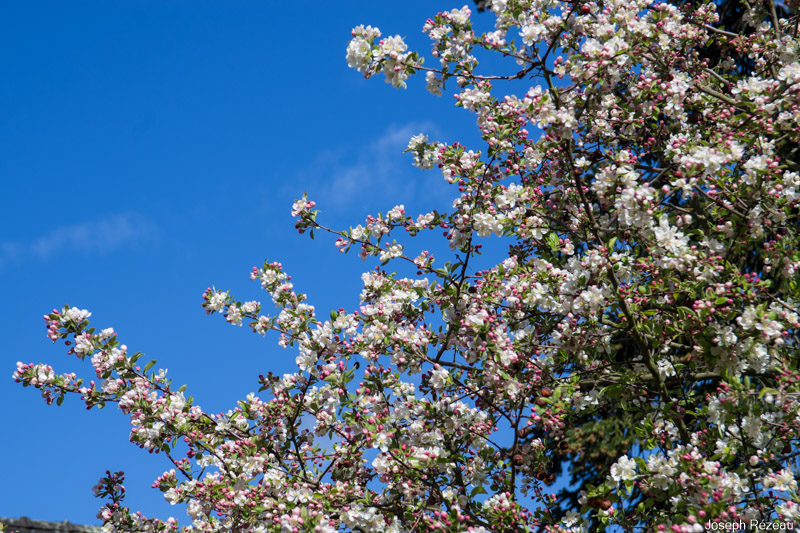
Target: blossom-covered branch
pixel 640 162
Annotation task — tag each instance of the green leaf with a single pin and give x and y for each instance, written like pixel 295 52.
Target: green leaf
pixel 766 391
pixel 552 240
pixel 149 365
pixel 721 300
pixel 476 491
pixel 612 391
pixel 557 394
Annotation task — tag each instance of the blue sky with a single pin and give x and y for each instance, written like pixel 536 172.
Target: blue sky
pixel 152 149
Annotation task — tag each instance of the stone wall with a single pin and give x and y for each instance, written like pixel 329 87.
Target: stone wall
pixel 26 525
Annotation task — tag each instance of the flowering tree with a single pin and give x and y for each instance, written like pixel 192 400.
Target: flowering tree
pixel 641 327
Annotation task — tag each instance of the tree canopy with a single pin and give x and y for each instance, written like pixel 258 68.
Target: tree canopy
pixel 638 329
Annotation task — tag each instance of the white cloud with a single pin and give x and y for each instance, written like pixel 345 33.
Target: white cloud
pixel 376 176
pixel 93 237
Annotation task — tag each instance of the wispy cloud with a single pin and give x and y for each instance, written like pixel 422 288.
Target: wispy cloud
pixel 91 237
pixel 376 174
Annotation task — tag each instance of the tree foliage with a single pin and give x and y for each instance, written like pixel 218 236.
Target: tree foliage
pixel 640 327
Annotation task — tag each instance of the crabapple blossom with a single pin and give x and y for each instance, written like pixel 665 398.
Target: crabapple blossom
pixel 639 164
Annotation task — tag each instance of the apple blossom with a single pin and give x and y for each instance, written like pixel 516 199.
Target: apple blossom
pixel 640 326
